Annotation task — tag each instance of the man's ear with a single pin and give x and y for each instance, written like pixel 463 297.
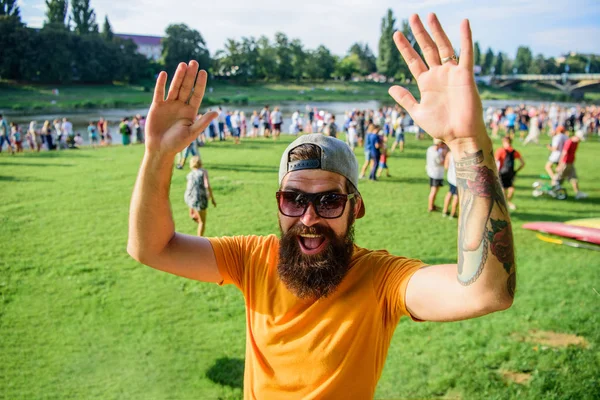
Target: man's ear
pixel 357 205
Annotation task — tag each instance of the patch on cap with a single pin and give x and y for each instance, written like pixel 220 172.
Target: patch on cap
pixel 303 164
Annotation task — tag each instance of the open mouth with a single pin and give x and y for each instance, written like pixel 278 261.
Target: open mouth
pixel 312 244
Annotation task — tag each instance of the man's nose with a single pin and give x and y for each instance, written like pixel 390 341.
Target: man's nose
pixel 310 217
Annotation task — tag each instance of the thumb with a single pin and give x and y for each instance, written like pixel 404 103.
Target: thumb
pixel 202 122
pixel 403 97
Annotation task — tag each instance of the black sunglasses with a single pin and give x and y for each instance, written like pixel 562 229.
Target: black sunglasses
pixel 327 205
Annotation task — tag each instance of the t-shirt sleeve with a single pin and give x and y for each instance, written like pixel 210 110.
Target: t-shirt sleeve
pixel 391 275
pixel 237 256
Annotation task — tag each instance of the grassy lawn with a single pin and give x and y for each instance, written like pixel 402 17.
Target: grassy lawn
pixel 37 98
pixel 80 319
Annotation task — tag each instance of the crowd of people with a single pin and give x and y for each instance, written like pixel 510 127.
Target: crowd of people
pixel 59 134
pixel 379 132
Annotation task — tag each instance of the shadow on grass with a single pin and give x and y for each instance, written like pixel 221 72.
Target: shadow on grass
pixel 566 216
pixel 69 153
pixel 227 372
pixel 245 168
pixel 4 178
pixel 27 164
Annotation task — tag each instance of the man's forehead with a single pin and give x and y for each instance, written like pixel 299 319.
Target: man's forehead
pixel 313 178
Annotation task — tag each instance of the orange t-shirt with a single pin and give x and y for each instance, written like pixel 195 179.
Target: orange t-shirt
pixel 331 348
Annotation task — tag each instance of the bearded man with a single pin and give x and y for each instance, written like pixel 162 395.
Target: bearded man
pixel 320 310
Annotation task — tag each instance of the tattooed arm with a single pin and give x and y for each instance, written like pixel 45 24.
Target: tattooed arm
pixel 449 108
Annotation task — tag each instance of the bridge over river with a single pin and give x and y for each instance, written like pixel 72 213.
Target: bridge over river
pixel 572 84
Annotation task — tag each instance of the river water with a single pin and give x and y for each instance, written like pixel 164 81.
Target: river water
pixel 80 120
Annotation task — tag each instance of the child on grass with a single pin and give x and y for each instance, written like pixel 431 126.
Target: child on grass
pixel 383 159
pixel 197 193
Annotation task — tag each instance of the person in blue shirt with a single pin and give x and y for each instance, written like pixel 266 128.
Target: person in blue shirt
pixel 374 144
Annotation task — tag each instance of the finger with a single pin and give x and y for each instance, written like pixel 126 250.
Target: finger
pixel 413 61
pixel 441 39
pixel 430 50
pixel 176 82
pixel 202 123
pixel 403 97
pixel 159 89
pixel 188 81
pixel 198 92
pixel 466 45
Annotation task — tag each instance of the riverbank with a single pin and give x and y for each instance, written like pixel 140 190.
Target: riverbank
pixel 18 98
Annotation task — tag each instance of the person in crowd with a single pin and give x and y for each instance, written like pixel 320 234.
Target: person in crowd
pixel 68 134
pixel 351 136
pixel 374 140
pixel 506 158
pixel 46 134
pixel 16 137
pixel 255 124
pixel 435 156
pixel 92 131
pixel 451 199
pixel 331 128
pixel 276 121
pixel 5 135
pixel 243 125
pixel 566 167
pixel 559 138
pixel 125 131
pixel 78 140
pixel 399 129
pixel 265 119
pixel 383 165
pixel 534 129
pixel 137 130
pixel 221 123
pixel 197 193
pixel 235 126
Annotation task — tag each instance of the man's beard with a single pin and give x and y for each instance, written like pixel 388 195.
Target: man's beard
pixel 318 275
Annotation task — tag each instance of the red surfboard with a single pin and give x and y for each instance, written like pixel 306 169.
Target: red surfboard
pixel 583 233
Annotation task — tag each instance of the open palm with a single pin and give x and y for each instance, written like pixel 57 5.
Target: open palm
pixel 172 123
pixel 450 107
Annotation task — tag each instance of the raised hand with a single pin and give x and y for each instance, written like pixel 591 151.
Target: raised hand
pixel 171 123
pixel 450 107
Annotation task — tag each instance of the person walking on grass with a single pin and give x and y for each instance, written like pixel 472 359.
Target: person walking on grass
pixel 435 170
pixel 46 134
pixel 374 140
pixel 197 193
pixel 5 135
pixel 559 138
pixel 399 129
pixel 566 167
pixel 383 159
pixel 452 195
pixel 321 310
pixel 505 161
pixel 16 137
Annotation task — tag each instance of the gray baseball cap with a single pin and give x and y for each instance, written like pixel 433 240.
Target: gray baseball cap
pixel 336 156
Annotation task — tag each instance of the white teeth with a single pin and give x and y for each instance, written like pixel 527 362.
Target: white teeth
pixel 308 235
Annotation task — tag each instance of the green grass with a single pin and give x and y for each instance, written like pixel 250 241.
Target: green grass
pixel 80 319
pixel 37 98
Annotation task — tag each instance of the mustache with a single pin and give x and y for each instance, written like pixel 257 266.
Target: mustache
pixel 301 229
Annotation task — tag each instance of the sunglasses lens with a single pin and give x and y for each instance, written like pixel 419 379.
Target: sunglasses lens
pixel 292 204
pixel 331 205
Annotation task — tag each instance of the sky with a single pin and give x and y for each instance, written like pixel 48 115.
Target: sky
pixel 549 27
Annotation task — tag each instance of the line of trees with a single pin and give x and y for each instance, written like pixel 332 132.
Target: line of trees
pixel 71 47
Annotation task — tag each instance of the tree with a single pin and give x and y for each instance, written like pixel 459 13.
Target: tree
pixel 181 44
pixel 56 12
pixel 10 8
pixel 267 59
pixel 83 17
pixel 298 59
pixel 14 44
pixel 488 61
pixel 388 59
pixel 321 63
pixel 367 61
pixel 499 64
pixel 107 33
pixel 477 54
pixel 523 59
pixel 347 67
pixel 284 56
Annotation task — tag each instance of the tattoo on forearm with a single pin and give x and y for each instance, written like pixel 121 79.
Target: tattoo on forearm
pixel 480 192
pixel 511 284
